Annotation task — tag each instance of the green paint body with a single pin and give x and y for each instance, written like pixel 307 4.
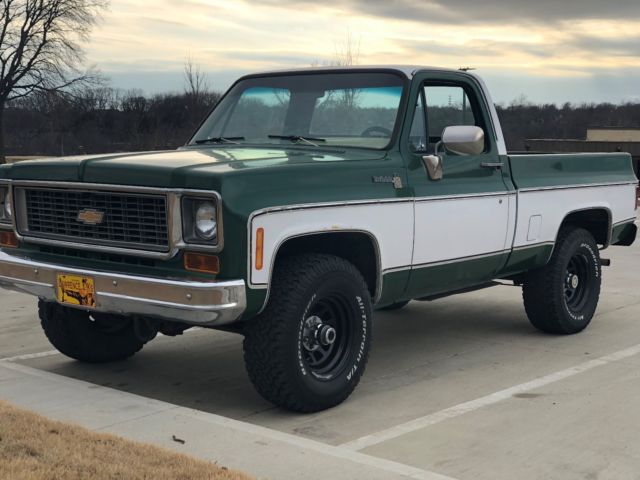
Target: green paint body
pixel 251 178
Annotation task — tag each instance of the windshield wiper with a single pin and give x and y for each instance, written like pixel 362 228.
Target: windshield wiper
pixel 299 138
pixel 220 140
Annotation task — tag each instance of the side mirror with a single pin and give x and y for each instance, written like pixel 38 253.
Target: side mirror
pixel 463 140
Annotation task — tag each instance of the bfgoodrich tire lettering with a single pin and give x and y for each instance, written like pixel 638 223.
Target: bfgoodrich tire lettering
pixel 562 297
pixel 288 351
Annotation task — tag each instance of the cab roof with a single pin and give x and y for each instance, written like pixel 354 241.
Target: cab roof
pixel 407 70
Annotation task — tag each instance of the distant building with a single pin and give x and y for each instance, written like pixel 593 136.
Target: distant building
pixel 613 134
pixel 598 139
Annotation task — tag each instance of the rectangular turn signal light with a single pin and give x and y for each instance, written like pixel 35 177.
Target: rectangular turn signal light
pixel 201 262
pixel 259 248
pixel 8 240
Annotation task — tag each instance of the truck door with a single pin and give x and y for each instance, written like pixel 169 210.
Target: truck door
pixel 462 220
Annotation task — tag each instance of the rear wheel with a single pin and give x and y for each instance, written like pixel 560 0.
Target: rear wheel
pixel 307 351
pixel 562 296
pixel 92 338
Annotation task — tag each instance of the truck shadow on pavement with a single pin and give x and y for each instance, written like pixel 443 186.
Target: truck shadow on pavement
pixel 204 370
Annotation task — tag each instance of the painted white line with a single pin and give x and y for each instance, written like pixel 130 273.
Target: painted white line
pixel 30 356
pixel 466 407
pixel 242 427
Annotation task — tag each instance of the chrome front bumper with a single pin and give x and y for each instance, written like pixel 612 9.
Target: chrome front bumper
pixel 192 302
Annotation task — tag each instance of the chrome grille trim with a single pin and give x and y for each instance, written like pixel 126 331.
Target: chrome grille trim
pixel 131 220
pixel 174 220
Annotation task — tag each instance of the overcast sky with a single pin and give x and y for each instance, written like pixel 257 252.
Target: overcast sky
pixel 549 51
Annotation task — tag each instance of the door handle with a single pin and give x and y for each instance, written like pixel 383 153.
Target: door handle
pixel 492 165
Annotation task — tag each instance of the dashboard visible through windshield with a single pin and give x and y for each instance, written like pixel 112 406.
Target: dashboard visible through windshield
pixel 319 109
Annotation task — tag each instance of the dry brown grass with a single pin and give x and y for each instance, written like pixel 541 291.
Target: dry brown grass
pixel 35 448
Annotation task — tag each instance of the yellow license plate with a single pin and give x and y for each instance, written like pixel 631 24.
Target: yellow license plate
pixel 76 290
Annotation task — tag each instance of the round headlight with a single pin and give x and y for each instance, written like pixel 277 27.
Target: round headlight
pixel 206 225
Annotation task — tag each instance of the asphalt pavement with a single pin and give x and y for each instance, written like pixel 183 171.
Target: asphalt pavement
pixel 459 388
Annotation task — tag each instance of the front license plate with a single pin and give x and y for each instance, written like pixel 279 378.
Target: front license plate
pixel 76 290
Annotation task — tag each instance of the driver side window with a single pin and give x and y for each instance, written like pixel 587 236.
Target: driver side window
pixel 439 107
pixel 447 105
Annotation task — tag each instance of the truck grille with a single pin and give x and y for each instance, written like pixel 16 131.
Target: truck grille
pixel 118 219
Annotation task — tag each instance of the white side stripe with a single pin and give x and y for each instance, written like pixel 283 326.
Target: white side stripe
pixel 493 398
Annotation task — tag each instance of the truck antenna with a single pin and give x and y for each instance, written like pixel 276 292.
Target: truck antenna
pixel 466 69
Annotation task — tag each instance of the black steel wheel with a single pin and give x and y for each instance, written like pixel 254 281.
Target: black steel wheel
pixel 562 296
pixel 307 351
pixel 326 334
pixel 576 284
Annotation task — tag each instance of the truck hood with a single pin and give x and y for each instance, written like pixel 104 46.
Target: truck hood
pixel 175 168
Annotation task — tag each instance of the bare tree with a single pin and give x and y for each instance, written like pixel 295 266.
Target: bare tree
pixel 41 47
pixel 196 83
pixel 347 53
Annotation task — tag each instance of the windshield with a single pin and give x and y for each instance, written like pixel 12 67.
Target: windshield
pixel 341 109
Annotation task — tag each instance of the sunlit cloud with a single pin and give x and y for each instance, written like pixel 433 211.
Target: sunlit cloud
pixel 543 39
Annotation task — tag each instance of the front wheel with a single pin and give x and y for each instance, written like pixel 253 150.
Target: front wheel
pixel 307 351
pixel 91 338
pixel 562 296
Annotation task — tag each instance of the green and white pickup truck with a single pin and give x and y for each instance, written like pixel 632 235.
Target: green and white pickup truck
pixel 306 200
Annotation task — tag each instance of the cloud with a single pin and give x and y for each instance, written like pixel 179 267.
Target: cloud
pixel 474 11
pixel 559 40
pixel 625 47
pixel 283 58
pixel 475 48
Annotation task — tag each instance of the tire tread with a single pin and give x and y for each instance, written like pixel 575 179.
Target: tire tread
pixel 265 336
pixel 542 305
pixel 70 333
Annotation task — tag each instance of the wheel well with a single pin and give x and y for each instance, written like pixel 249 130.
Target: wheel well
pixel 359 248
pixel 596 221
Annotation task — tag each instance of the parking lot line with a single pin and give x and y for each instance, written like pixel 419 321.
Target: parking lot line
pixel 30 356
pixel 79 389
pixel 472 405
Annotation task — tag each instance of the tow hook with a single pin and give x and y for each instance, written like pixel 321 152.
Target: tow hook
pixel 605 262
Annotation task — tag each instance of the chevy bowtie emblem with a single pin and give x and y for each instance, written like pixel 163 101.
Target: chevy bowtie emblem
pixel 89 216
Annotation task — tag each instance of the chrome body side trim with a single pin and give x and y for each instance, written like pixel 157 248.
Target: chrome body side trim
pixel 579 185
pixel 207 304
pixel 419 266
pixel 267 286
pixel 344 203
pixel 628 220
pixel 532 245
pixel 174 201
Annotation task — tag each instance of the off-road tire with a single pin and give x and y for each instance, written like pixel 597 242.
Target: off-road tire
pixel 274 346
pixel 394 306
pixel 547 291
pixel 75 334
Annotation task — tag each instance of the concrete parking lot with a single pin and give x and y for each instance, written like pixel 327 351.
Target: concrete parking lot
pixel 460 388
